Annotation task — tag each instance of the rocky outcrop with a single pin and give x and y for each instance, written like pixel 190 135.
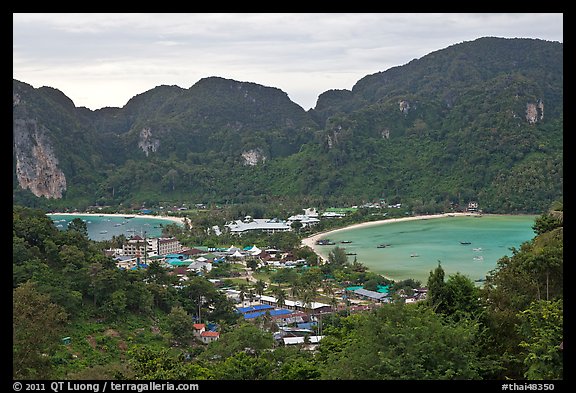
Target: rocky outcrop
pixel 147 143
pixel 36 164
pixel 404 106
pixel 253 157
pixel 534 111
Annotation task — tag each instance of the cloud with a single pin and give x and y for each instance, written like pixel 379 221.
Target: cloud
pixel 105 59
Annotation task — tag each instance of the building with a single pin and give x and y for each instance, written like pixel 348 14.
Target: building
pixel 314 307
pixel 305 220
pixel 208 336
pixel 167 245
pixel 259 224
pixel 135 246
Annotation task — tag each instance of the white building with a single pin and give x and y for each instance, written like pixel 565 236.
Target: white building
pixel 304 220
pixel 259 224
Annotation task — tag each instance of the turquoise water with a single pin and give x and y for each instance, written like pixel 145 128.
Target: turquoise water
pixel 431 240
pixel 104 227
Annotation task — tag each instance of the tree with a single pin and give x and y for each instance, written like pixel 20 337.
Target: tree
pixel 436 296
pixel 541 329
pixel 78 225
pixel 337 257
pixel 159 364
pixel 244 366
pixel 179 323
pixel 37 325
pixel 245 337
pixel 280 296
pixel 260 286
pixel 400 342
pixel 546 223
pixel 461 296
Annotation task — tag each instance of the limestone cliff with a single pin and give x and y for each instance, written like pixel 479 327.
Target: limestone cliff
pixel 36 164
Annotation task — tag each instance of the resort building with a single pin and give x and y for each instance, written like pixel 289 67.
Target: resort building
pixel 168 245
pixel 305 220
pixel 135 246
pixel 259 224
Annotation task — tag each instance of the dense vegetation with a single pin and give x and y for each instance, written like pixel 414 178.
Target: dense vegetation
pixel 440 131
pixel 137 324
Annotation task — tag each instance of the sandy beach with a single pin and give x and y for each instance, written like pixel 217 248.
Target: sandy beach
pixel 178 220
pixel 311 241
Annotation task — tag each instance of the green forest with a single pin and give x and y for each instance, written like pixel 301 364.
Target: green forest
pixel 477 121
pixel 77 316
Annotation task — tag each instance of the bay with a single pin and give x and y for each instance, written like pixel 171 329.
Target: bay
pixel 414 248
pixel 104 227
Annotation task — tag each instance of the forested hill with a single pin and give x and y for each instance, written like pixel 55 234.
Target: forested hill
pixel 479 120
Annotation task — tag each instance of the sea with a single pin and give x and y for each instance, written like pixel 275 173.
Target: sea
pixel 102 227
pixel 470 245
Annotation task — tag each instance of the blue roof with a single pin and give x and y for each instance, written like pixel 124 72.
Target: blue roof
pixel 281 311
pixel 306 325
pixel 257 307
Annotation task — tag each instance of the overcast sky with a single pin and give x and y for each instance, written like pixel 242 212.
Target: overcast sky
pixel 101 60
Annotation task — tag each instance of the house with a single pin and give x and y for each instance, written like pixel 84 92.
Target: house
pixel 200 266
pixel 208 336
pixel 198 328
pixel 370 295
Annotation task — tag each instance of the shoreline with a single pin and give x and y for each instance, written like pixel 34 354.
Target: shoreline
pixel 311 240
pixel 179 220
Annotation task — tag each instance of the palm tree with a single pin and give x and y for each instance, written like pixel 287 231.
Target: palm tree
pixel 307 296
pixel 260 286
pixel 334 303
pixel 251 295
pixel 242 294
pixel 280 296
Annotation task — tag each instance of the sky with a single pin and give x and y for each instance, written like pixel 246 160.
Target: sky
pixel 103 60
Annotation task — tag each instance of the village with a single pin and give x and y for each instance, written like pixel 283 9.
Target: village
pixel 294 317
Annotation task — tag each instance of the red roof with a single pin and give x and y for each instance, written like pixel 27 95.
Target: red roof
pixel 199 326
pixel 209 334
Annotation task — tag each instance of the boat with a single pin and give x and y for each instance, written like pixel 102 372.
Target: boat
pixel 346 241
pixel 382 245
pixel 477 249
pixel 479 258
pixel 351 253
pixel 465 242
pixel 103 232
pixel 414 255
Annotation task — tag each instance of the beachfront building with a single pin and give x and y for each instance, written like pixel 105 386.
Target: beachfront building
pixel 135 246
pixel 258 224
pixel 167 245
pixel 305 220
pixel 149 247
